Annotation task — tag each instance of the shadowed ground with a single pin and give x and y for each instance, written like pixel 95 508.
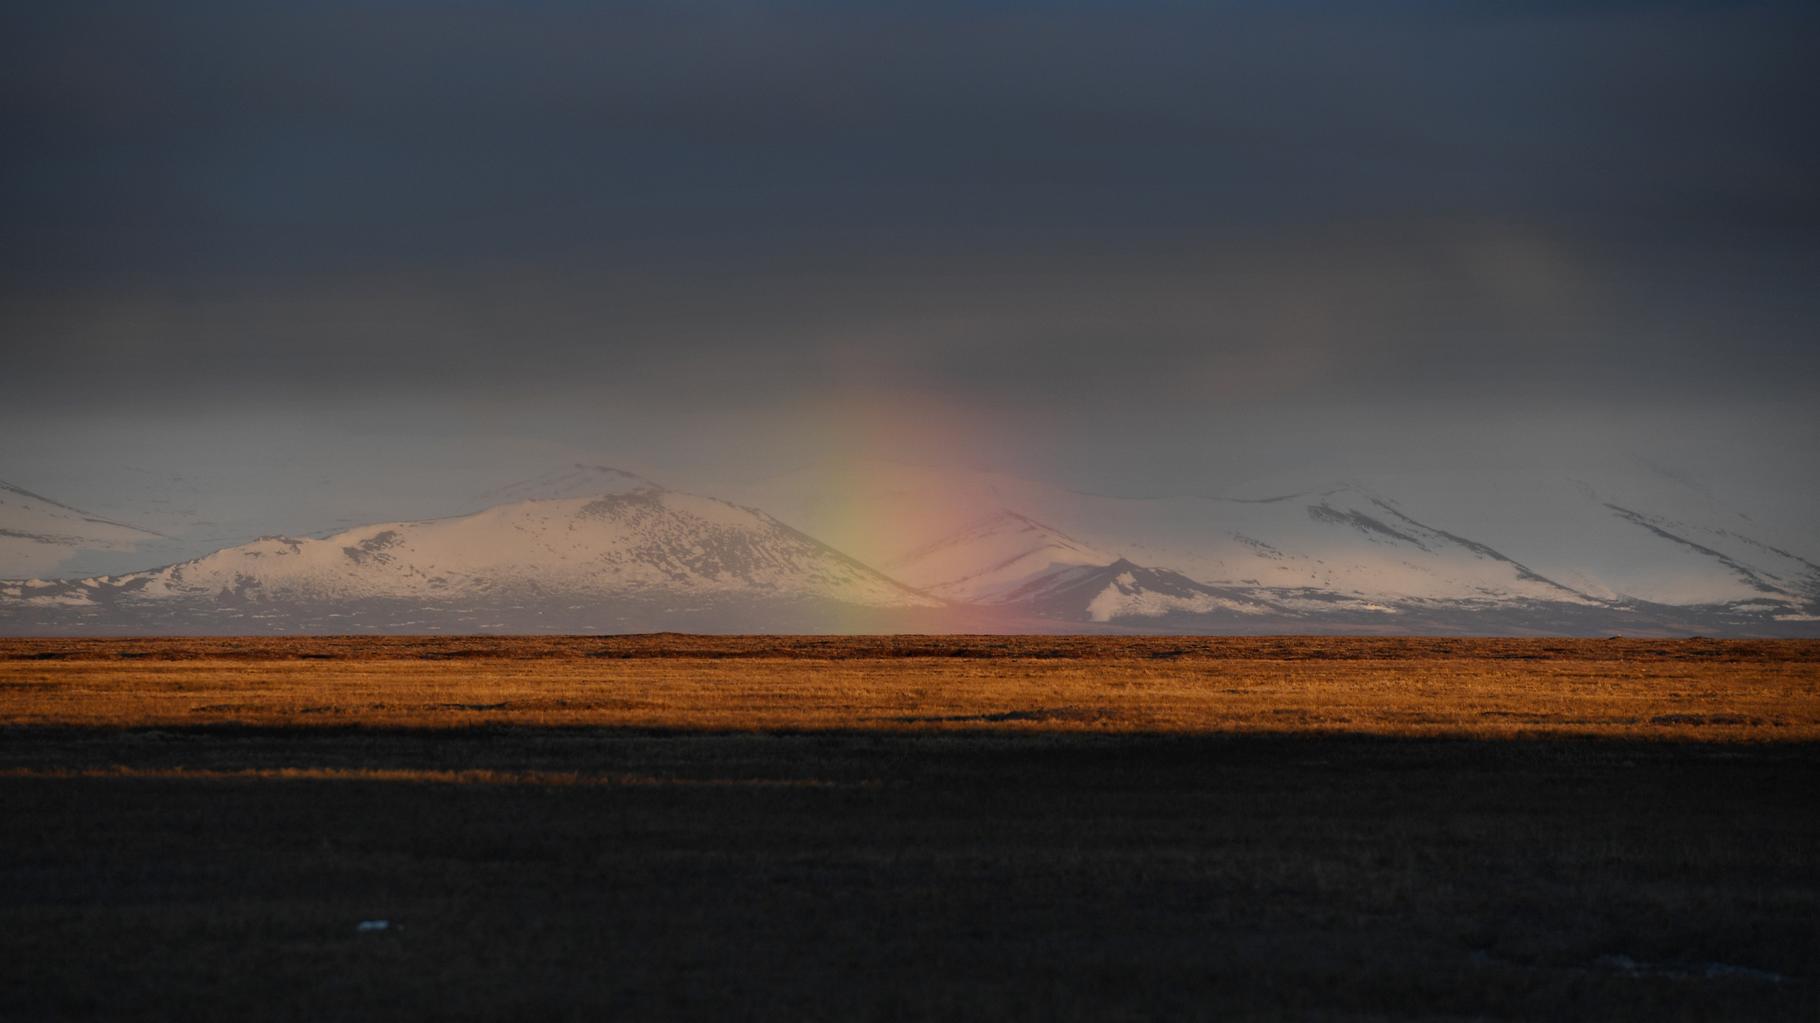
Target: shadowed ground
pixel 960 863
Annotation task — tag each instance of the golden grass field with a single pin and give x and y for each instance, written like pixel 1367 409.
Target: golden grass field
pixel 1708 691
pixel 909 828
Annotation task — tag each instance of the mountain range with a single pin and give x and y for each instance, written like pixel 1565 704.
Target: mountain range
pixel 879 546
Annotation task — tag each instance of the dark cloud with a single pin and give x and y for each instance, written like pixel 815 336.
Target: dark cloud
pixel 732 209
pixel 300 138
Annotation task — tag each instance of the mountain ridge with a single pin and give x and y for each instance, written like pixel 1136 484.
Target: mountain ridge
pixel 590 547
pixel 641 546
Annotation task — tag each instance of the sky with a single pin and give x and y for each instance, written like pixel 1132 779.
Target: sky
pixel 309 263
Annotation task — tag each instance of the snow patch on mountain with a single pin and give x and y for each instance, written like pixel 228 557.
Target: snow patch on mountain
pixel 1121 590
pixel 982 562
pixel 1126 597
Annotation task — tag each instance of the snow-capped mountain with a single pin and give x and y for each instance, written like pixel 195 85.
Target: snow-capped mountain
pixel 876 546
pixel 1492 553
pixel 38 534
pixel 639 557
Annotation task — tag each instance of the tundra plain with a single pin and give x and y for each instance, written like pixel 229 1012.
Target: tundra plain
pixel 909 827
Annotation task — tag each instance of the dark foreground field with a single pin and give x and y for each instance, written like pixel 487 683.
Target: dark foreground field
pixel 1645 846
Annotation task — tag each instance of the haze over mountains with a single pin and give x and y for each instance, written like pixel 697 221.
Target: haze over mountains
pixel 38 534
pixel 881 546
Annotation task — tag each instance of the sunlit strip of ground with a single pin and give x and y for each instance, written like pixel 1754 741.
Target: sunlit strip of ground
pixel 1736 700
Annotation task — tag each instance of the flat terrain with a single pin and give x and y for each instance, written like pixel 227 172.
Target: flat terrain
pixel 1765 690
pixel 909 827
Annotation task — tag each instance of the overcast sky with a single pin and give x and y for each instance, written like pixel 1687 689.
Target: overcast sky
pixel 1139 248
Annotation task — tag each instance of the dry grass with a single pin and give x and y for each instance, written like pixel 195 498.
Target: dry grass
pixel 1689 690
